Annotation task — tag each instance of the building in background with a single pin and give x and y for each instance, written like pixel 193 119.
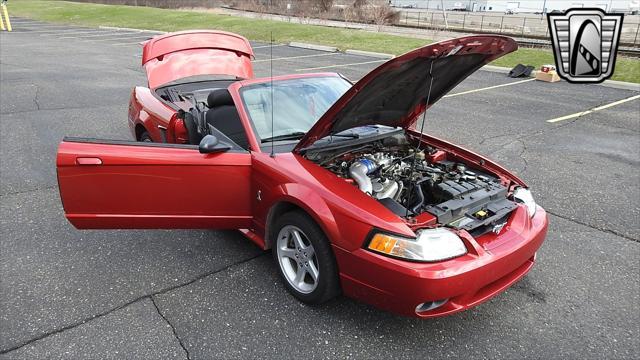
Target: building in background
pixel 522 6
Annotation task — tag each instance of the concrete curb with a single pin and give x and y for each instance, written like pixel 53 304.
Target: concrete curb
pixel 369 54
pixel 313 46
pixel 131 29
pixel 621 85
pixel 498 69
pixel 607 83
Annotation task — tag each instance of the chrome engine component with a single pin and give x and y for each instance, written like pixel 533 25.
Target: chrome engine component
pixel 408 184
pixel 359 171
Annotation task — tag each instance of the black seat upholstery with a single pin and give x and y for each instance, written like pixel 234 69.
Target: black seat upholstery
pixel 192 128
pixel 223 116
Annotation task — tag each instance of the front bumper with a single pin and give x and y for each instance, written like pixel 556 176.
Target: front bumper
pixel 492 264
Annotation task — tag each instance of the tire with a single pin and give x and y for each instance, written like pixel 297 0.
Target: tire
pixel 145 137
pixel 312 256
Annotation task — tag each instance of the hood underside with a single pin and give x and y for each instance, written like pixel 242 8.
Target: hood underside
pixel 396 92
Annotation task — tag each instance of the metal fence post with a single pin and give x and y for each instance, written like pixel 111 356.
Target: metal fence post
pixel 524 23
pixel 636 38
pixel 406 17
pixel 501 22
pixel 481 22
pixel 464 20
pixel 546 30
pixel 419 13
pixel 432 24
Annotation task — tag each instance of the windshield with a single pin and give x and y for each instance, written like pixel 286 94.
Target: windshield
pixel 297 104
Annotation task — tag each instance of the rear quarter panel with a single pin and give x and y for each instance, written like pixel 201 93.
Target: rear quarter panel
pixel 146 110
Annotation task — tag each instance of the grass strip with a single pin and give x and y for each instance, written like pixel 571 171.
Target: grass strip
pixel 88 14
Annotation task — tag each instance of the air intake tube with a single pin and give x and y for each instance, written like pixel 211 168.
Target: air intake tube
pixel 358 172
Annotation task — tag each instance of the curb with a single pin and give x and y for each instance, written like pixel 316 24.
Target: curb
pixel 369 54
pixel 313 47
pixel 607 83
pixel 131 29
pixel 621 85
pixel 503 70
pixel 498 69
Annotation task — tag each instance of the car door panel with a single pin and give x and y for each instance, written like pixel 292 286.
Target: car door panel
pixel 122 184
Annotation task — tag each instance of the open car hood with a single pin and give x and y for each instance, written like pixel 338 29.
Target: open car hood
pixel 173 56
pixel 396 92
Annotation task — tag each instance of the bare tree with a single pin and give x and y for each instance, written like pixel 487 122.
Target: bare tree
pixel 325 5
pixel 382 14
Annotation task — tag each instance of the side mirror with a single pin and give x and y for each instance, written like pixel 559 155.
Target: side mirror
pixel 210 144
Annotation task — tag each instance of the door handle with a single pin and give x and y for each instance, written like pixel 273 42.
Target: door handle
pixel 88 161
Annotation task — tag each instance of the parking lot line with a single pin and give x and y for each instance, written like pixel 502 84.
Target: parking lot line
pixel 582 113
pixel 89 36
pixel 65 32
pixel 295 57
pixel 53 31
pixel 125 37
pixel 128 43
pixel 342 65
pixel 266 46
pixel 488 88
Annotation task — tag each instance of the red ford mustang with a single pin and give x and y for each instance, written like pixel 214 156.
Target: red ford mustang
pixel 335 177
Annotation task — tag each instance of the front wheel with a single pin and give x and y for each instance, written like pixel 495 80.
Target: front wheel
pixel 305 260
pixel 145 137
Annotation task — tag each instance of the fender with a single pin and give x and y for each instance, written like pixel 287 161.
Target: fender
pixel 343 229
pixel 151 113
pixel 306 199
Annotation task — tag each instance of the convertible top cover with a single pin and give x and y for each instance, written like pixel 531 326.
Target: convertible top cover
pixel 173 56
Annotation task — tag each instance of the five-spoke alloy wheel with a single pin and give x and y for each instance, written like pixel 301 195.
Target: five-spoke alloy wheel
pixel 305 258
pixel 297 259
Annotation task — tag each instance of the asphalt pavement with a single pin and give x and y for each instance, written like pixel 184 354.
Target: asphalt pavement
pixel 199 294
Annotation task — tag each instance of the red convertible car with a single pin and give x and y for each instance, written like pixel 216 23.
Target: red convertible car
pixel 336 178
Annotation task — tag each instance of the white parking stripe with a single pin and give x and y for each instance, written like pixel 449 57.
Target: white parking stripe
pixel 124 37
pixel 296 57
pixel 53 31
pixel 65 33
pixel 36 30
pixel 489 88
pixel 128 43
pixel 41 28
pixel 266 46
pixel 342 65
pixel 92 35
pixel 615 103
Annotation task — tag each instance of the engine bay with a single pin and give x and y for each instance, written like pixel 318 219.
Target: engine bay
pixel 410 181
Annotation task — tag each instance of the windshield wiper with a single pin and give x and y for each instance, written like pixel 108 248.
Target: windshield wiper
pixel 292 136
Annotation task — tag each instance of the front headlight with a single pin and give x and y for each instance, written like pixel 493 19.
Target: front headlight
pixel 430 245
pixel 524 196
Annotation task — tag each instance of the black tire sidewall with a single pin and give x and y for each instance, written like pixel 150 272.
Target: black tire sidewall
pixel 145 135
pixel 328 282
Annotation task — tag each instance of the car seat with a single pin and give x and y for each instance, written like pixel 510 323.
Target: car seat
pixel 223 116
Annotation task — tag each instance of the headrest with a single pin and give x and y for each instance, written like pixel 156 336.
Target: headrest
pixel 219 97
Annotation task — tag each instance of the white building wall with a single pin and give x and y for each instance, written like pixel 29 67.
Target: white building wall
pixel 523 6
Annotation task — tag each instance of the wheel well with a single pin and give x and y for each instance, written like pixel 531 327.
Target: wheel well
pixel 276 211
pixel 139 130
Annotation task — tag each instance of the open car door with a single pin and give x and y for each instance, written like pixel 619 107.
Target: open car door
pixel 136 185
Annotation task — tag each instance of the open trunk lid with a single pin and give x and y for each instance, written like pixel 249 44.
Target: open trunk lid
pixel 173 56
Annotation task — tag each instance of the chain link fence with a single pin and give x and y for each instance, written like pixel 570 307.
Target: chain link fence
pixel 533 26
